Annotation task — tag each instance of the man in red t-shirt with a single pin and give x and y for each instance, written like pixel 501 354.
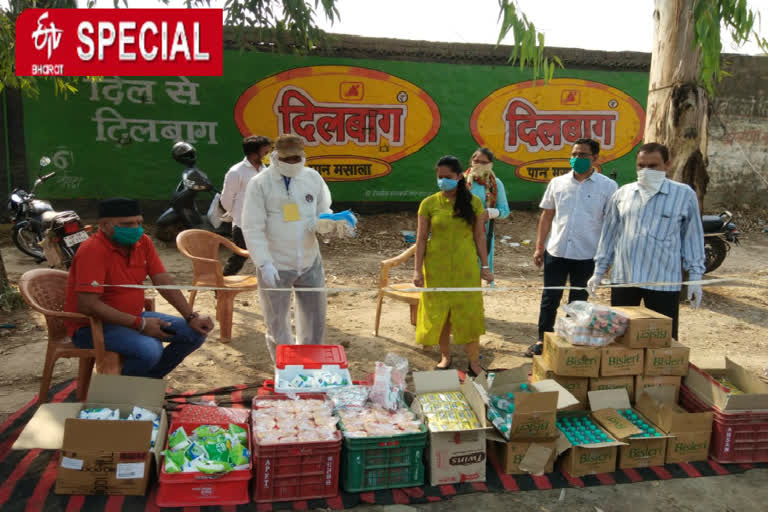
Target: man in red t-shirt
pixel 118 254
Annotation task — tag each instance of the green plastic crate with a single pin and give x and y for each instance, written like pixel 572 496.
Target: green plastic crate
pixel 373 463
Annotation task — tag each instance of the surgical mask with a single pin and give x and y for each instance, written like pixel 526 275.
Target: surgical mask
pixel 446 184
pixel 649 182
pixel 482 171
pixel 580 165
pixel 127 236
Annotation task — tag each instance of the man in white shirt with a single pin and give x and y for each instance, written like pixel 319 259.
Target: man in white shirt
pixel 255 148
pixel 573 209
pixel 280 214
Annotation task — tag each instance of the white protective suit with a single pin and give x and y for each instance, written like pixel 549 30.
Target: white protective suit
pixel 279 225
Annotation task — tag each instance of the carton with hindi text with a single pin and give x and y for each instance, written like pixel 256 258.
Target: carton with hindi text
pixel 100 456
pixel 638 452
pixel 570 360
pixel 672 360
pixel 577 386
pixel 454 456
pixel 646 328
pixel 691 430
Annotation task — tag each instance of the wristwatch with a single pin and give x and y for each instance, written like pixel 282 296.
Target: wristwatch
pixel 192 316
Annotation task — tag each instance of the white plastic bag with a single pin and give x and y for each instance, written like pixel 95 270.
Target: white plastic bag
pixel 216 213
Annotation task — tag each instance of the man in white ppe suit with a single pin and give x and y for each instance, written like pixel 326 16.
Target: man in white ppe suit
pixel 280 212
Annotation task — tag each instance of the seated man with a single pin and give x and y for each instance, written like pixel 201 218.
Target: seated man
pixel 120 253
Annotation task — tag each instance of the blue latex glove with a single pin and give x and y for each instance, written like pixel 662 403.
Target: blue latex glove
pixel 346 216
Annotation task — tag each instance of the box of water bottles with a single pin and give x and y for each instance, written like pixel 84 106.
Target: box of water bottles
pixel 519 410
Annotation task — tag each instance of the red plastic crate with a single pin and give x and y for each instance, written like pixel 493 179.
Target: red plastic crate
pixel 199 489
pixel 295 471
pixel 736 436
pixel 310 356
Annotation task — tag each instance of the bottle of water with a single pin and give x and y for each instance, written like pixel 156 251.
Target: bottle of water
pixel 498 420
pixel 502 403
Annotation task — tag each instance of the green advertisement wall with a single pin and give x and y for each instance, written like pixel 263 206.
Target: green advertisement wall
pixel 374 128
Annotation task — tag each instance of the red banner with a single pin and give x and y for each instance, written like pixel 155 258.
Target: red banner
pixel 119 42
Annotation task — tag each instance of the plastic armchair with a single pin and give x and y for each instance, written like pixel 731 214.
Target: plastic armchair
pixel 412 298
pixel 45 291
pixel 202 247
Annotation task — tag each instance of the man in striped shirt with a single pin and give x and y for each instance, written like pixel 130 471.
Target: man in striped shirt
pixel 650 227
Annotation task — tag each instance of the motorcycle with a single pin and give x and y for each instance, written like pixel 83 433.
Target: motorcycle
pixel 183 212
pixel 719 233
pixel 34 220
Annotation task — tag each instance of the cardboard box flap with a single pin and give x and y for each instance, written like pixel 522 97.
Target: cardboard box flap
pixel 609 399
pixel 656 405
pixel 635 312
pixel 118 389
pixel 107 436
pixel 436 381
pixel 510 380
pixel 536 459
pixel 565 398
pixel 46 428
pixel 494 436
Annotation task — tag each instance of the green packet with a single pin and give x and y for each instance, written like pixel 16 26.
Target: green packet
pixel 205 431
pixel 239 455
pixel 178 440
pixel 238 432
pixel 217 449
pixel 174 461
pixel 210 467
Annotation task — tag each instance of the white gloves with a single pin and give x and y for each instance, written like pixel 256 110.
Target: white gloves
pixel 593 283
pixel 694 295
pixel 268 276
pixel 492 213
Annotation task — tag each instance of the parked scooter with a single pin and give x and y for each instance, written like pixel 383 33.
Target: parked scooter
pixel 33 218
pixel 183 212
pixel 718 232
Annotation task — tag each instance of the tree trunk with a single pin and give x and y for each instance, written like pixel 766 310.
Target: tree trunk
pixel 3 273
pixel 677 114
pixel 14 111
pixel 4 190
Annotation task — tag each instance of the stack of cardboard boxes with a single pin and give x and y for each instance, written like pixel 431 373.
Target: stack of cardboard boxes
pixel 645 357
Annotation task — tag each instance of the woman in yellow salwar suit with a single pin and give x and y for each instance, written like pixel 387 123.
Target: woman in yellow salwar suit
pixel 448 258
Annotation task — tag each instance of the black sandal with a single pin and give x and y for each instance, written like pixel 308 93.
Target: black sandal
pixel 472 373
pixel 534 350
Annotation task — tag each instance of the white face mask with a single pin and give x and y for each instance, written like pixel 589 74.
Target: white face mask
pixel 286 169
pixel 649 182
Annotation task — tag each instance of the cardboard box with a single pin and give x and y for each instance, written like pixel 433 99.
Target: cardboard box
pixel 577 386
pixel 453 456
pixel 589 459
pixel 97 456
pixel 643 383
pixel 702 382
pixel 667 361
pixel 618 360
pixel 637 452
pixel 570 360
pixel 691 430
pixel 602 383
pixel 646 329
pixel 523 457
pixel 535 412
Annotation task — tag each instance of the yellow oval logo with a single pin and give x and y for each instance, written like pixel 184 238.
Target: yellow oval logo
pixel 342 111
pixel 541 171
pixel 348 168
pixel 522 123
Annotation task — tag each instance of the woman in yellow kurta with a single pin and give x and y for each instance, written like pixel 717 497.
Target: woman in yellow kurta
pixel 448 259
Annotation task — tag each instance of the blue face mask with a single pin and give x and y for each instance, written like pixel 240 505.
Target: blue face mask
pixel 127 236
pixel 581 165
pixel 446 184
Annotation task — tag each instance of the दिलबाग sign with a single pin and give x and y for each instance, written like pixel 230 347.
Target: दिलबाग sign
pixel 354 121
pixel 534 126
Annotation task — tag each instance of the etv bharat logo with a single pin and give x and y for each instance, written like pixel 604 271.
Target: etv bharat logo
pixel 46 37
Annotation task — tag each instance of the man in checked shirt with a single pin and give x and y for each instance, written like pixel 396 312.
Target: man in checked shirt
pixel 650 227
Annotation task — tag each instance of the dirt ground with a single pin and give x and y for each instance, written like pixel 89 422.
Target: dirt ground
pixel 733 322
